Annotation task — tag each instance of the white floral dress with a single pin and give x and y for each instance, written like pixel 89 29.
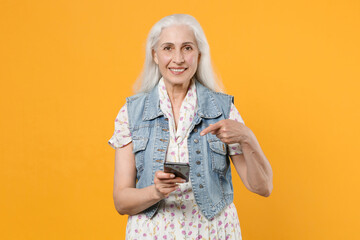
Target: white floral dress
pixel 179 217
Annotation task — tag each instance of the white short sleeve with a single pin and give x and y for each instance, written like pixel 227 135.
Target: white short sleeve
pixel 235 148
pixel 122 135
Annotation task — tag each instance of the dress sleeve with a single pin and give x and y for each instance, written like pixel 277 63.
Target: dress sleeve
pixel 122 135
pixel 235 148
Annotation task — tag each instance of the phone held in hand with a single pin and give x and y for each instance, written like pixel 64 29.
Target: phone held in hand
pixel 179 169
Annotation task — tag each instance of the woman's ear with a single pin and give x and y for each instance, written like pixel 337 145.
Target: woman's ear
pixel 155 56
pixel 199 57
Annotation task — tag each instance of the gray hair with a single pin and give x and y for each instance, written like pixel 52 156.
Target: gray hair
pixel 150 74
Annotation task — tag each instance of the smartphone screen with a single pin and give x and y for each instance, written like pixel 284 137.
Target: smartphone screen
pixel 179 169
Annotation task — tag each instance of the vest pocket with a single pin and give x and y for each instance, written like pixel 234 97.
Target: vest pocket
pixel 218 155
pixel 139 145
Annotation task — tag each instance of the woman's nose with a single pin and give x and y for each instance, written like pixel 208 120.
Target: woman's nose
pixel 178 57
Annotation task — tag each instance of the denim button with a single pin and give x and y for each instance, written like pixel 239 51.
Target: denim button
pixel 198 162
pixel 195 130
pixel 196 141
pixel 201 186
pixel 198 151
pixel 198 174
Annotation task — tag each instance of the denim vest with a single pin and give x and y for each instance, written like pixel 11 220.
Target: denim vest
pixel 210 171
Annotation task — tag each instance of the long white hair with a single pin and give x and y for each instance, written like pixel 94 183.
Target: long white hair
pixel 150 74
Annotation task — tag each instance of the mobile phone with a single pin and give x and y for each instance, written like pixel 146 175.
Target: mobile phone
pixel 179 169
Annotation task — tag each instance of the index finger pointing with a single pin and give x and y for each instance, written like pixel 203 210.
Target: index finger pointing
pixel 210 128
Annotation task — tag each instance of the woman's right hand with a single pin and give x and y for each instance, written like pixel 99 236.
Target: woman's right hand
pixel 165 183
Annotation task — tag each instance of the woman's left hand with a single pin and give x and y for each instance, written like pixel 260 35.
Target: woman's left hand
pixel 252 166
pixel 228 131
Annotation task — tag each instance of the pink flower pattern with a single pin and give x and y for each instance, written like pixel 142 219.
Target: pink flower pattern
pixel 179 217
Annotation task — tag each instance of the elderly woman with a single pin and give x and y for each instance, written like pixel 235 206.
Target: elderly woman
pixel 179 117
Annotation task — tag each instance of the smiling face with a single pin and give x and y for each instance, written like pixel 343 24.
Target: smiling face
pixel 177 54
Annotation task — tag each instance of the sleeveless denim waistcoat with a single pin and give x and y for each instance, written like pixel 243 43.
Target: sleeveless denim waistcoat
pixel 210 171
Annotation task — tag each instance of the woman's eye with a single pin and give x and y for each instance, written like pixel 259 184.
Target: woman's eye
pixel 188 48
pixel 167 48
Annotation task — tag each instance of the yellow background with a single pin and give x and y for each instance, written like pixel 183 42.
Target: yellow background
pixel 67 66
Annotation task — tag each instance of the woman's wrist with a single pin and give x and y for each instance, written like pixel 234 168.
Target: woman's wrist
pixel 245 137
pixel 155 194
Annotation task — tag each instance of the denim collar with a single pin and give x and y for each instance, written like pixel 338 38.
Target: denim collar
pixel 207 106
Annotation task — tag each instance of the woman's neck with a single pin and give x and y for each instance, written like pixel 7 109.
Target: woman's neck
pixel 177 93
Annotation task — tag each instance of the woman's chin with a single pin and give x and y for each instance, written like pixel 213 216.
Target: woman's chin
pixel 177 80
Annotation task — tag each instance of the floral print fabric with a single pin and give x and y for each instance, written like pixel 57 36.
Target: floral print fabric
pixel 179 217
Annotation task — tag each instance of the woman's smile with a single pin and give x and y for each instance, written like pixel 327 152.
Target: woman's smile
pixel 177 71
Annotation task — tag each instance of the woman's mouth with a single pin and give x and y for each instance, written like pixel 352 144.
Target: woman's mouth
pixel 177 71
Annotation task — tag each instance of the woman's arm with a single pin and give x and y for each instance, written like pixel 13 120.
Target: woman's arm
pixel 252 166
pixel 130 200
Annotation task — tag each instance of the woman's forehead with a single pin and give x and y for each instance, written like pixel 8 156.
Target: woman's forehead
pixel 177 34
